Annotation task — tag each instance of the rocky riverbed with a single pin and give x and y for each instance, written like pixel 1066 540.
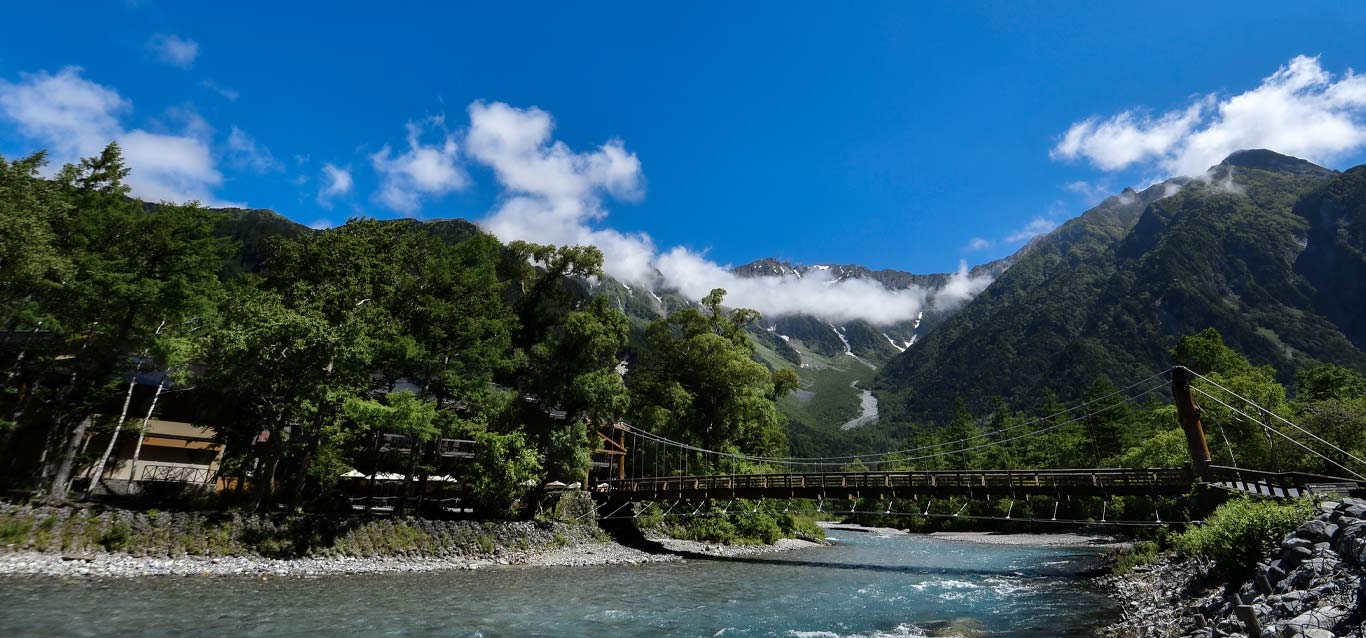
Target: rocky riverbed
pixel 1312 586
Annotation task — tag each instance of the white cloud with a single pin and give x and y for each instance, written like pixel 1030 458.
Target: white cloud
pixel 962 287
pixel 1035 227
pixel 74 117
pixel 551 193
pixel 978 243
pixel 335 182
pixel 423 171
pixel 246 153
pixel 228 94
pixel 1300 110
pixel 814 293
pixel 174 50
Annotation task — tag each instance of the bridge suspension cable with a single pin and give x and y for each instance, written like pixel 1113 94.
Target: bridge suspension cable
pixel 1289 438
pixel 874 455
pixel 899 456
pixel 1278 417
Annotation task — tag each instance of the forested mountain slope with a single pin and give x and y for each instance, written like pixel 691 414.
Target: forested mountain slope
pixel 1265 248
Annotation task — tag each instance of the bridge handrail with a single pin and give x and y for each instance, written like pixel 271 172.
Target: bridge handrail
pixel 1298 478
pixel 1025 479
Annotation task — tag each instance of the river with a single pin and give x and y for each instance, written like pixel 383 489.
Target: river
pixel 866 585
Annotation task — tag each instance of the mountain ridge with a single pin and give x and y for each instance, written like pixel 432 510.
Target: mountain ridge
pixel 1110 290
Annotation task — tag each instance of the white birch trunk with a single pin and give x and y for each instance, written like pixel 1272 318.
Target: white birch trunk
pixel 123 418
pixel 142 432
pixel 98 473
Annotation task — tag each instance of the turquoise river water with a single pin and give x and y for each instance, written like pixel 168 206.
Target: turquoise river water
pixel 866 585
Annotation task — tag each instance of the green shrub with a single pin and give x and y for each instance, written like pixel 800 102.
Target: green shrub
pixel 1241 532
pixel 799 526
pixel 710 528
pixel 1140 554
pixel 14 530
pixel 650 517
pixel 117 537
pixel 757 528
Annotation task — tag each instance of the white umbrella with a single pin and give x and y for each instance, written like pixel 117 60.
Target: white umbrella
pixel 353 474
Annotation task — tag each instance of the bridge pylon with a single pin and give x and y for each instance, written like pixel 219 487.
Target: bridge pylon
pixel 1188 413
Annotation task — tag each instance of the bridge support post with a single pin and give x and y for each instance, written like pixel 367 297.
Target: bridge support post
pixel 1188 413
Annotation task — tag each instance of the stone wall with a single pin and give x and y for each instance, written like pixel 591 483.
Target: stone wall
pixel 82 531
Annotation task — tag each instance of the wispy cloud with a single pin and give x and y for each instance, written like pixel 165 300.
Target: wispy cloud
pixel 978 243
pixel 554 194
pixel 228 94
pixel 245 153
pixel 1090 192
pixel 174 50
pixel 1299 110
pixel 334 182
pixel 1035 227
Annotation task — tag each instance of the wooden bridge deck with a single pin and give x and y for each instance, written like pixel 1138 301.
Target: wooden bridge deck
pixel 1082 482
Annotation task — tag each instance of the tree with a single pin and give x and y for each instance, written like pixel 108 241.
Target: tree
pixel 1109 414
pixel 697 380
pixel 1328 381
pixel 401 413
pixel 133 270
pixel 502 472
pixel 32 262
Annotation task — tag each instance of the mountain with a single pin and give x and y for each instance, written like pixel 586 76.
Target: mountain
pixel 1268 249
pixel 875 343
pixel 253 227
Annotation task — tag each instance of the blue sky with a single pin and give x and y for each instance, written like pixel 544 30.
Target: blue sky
pixel 901 135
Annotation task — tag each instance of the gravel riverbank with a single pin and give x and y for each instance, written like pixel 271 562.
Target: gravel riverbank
pixel 106 565
pixel 1066 539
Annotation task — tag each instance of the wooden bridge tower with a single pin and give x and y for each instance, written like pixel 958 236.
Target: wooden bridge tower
pixel 1188 413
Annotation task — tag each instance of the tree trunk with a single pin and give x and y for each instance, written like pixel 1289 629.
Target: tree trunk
pixel 414 448
pixel 374 470
pixel 311 441
pixel 98 472
pixel 61 482
pixel 263 479
pixel 142 432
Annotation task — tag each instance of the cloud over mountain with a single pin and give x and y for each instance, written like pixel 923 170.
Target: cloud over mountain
pixel 1300 110
pixel 553 194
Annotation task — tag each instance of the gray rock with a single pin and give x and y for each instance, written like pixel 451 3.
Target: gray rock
pixel 1292 543
pixel 1315 531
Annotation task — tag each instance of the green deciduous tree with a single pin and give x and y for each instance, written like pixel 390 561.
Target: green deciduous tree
pixel 697 380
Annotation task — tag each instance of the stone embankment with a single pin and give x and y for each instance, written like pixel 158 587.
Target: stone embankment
pixel 1312 586
pixel 117 543
pixel 73 541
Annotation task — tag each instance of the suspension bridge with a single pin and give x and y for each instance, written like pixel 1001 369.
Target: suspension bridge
pixel 636 466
